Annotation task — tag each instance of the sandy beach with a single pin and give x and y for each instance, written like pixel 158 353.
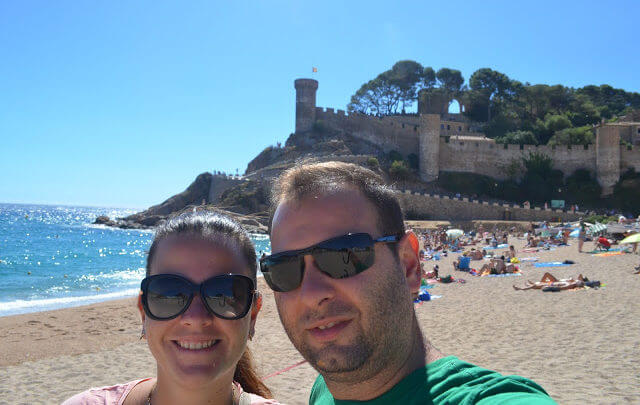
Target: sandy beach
pixel 581 346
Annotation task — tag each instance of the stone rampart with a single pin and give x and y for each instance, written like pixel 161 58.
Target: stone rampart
pixel 629 157
pixel 398 133
pixel 220 184
pixel 484 156
pixel 437 207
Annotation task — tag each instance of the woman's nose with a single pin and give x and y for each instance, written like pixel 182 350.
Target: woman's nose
pixel 197 313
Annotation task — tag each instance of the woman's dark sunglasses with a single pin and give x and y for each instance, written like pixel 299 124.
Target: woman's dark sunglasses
pixel 340 257
pixel 166 296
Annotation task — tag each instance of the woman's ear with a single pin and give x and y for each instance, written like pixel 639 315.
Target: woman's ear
pixel 140 309
pixel 256 307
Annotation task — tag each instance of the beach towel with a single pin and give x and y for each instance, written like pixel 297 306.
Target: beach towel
pixel 504 275
pixel 551 264
pixel 502 246
pixel 609 253
pixel 529 259
pixel 530 250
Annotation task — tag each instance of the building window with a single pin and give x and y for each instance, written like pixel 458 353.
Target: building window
pixel 448 127
pixel 460 129
pixel 441 126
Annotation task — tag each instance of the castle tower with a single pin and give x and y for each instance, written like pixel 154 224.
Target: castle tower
pixel 607 157
pixel 305 104
pixel 429 146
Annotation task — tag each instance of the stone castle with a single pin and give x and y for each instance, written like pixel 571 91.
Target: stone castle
pixel 450 142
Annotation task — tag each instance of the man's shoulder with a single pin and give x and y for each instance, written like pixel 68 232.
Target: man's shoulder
pixel 450 380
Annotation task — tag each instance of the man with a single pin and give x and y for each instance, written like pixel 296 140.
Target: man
pixel 344 270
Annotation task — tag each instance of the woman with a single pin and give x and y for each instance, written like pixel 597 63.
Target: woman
pixel 198 306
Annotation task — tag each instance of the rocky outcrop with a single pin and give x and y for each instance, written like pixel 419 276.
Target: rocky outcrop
pixel 246 199
pixel 253 223
pixel 196 194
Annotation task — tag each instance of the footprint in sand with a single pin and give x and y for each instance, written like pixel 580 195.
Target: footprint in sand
pixel 32 322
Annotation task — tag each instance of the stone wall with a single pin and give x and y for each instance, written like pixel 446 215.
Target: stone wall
pixel 484 156
pixel 436 207
pixel 220 184
pixel 629 157
pixel 398 133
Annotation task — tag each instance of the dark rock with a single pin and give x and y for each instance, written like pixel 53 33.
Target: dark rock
pixel 195 194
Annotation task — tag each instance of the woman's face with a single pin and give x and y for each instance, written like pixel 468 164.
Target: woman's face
pixel 221 342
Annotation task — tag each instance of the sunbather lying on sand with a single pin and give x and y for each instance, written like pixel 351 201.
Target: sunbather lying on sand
pixel 496 266
pixel 548 280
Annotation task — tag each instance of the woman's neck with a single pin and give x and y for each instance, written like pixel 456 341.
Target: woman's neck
pixel 169 391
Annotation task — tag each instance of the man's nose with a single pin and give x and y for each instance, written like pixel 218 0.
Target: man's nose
pixel 316 287
pixel 196 314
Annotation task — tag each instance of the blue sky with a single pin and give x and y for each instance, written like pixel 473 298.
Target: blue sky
pixel 118 103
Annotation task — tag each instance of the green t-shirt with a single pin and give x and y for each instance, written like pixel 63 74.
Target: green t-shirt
pixel 448 381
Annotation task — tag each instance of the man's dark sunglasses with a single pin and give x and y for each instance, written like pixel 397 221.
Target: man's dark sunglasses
pixel 167 296
pixel 340 257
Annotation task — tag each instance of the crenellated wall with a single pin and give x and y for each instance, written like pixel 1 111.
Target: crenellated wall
pixel 391 133
pixel 485 157
pixel 449 142
pixel 437 207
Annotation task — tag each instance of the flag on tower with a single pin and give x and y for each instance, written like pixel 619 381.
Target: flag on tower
pixel 314 69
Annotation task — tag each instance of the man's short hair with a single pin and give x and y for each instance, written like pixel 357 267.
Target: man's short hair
pixel 319 179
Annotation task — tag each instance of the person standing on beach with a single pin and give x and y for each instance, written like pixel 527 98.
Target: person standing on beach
pixel 581 235
pixel 343 271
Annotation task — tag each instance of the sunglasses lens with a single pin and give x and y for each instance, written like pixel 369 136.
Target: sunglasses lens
pixel 167 296
pixel 229 296
pixel 344 263
pixel 284 273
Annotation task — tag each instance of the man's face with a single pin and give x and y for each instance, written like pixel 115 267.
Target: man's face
pixel 353 325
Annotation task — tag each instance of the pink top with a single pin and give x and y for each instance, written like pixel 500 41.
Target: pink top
pixel 116 394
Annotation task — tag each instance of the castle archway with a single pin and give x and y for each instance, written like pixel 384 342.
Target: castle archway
pixel 455 107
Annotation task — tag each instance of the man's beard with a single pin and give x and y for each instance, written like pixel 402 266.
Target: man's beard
pixel 377 339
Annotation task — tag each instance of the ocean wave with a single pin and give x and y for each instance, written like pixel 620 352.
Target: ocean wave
pixel 26 306
pixel 122 275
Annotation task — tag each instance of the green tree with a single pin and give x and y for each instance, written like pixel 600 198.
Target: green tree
pixel 490 84
pixel 518 137
pixel 540 181
pixel 573 136
pixel 581 187
pixel 391 91
pixel 451 81
pixel 399 170
pixel 428 78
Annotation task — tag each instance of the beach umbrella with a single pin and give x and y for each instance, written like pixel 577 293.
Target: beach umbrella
pixel 631 239
pixel 454 233
pixel 575 233
pixel 597 228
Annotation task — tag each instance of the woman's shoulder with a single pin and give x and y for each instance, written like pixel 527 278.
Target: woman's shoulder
pixel 253 399
pixel 109 395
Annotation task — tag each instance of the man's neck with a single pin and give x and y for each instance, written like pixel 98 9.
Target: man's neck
pixel 420 354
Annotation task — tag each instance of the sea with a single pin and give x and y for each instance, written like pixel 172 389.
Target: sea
pixel 53 256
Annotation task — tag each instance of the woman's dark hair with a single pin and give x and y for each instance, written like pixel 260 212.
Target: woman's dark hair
pixel 222 231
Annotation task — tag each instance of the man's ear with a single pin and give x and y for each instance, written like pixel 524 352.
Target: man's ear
pixel 408 248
